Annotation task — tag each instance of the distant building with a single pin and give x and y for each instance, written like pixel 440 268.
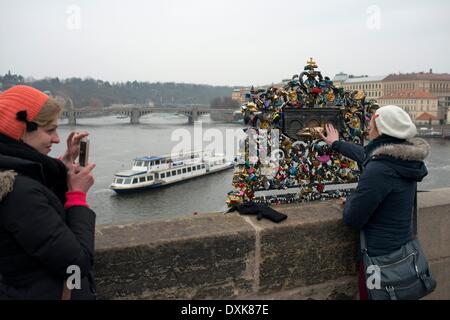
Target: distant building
pixel 239 94
pixel 421 106
pixel 437 84
pixel 339 79
pixel 372 86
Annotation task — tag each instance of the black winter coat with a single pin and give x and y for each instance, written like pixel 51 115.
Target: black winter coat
pixel 383 201
pixel 39 240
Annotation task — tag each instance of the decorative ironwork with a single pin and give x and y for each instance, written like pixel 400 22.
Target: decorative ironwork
pixel 286 123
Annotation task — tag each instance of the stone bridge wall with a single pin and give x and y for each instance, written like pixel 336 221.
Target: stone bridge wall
pixel 310 255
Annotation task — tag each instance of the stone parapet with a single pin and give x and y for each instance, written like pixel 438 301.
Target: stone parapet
pixel 310 255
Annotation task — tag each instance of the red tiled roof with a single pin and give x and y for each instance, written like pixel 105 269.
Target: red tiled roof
pixel 417 76
pixel 426 117
pixel 408 94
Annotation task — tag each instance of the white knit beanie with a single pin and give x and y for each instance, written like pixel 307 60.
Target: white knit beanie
pixel 395 122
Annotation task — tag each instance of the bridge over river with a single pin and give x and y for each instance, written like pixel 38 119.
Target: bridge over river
pixel 134 112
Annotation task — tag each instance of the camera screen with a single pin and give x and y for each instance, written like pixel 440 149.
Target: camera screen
pixel 83 153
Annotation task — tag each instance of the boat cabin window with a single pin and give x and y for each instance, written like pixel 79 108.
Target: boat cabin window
pixel 203 166
pixel 139 163
pixel 156 162
pixel 168 174
pixel 135 180
pixel 179 171
pixel 194 168
pixel 141 179
pixel 127 181
pixel 119 180
pixel 184 170
pixel 163 175
pixel 149 178
pixel 189 169
pixel 198 167
pixel 146 163
pixel 156 175
pixel 174 172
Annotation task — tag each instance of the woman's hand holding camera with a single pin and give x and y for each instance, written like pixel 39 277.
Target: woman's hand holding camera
pixel 80 178
pixel 73 147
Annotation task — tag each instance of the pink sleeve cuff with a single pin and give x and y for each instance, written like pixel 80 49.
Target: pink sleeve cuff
pixel 75 198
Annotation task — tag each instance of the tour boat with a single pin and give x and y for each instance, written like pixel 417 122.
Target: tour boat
pixel 152 172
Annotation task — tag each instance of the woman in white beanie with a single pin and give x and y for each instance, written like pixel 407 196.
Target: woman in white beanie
pixel 391 164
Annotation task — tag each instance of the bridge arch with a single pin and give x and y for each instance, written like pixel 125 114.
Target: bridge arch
pixel 192 113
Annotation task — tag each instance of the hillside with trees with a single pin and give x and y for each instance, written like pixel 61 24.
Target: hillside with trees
pixel 98 93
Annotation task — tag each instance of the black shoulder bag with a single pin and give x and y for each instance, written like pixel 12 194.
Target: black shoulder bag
pixel 400 275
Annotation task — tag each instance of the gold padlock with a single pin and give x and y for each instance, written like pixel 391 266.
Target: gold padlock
pixel 330 96
pixel 251 106
pixel 292 96
pixel 359 95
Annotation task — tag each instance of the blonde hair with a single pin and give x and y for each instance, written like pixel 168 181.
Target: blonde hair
pixel 50 111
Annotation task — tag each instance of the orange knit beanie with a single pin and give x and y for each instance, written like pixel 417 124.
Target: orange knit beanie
pixel 16 99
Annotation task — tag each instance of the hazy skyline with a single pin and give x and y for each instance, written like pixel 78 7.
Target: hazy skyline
pixel 221 42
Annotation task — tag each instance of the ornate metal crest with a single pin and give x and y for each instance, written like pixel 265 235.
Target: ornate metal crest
pixel 283 148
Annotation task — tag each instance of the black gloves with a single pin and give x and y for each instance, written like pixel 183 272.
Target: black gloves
pixel 267 212
pixel 261 210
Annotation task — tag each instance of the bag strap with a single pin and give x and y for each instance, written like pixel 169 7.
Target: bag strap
pixel 362 237
pixel 362 241
pixel 414 218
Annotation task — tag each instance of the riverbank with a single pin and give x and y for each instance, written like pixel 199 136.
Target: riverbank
pixel 436 131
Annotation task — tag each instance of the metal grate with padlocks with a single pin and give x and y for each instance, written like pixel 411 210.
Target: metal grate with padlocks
pixel 283 149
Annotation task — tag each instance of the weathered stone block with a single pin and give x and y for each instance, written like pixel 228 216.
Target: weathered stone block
pixel 201 257
pixel 311 246
pixel 434 223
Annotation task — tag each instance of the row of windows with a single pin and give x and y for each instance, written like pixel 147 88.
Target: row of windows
pixel 421 108
pixel 410 85
pixel 406 101
pixel 398 86
pixel 172 173
pixel 439 85
pixel 163 175
pixel 373 93
pixel 133 180
pixel 363 86
pixel 141 163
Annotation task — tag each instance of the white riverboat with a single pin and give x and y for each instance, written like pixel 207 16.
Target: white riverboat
pixel 153 172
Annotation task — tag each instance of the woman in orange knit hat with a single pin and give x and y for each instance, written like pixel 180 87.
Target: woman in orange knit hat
pixel 46 226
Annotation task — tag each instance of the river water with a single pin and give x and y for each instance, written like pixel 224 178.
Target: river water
pixel 114 143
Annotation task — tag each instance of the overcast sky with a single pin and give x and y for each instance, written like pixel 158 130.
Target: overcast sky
pixel 222 42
